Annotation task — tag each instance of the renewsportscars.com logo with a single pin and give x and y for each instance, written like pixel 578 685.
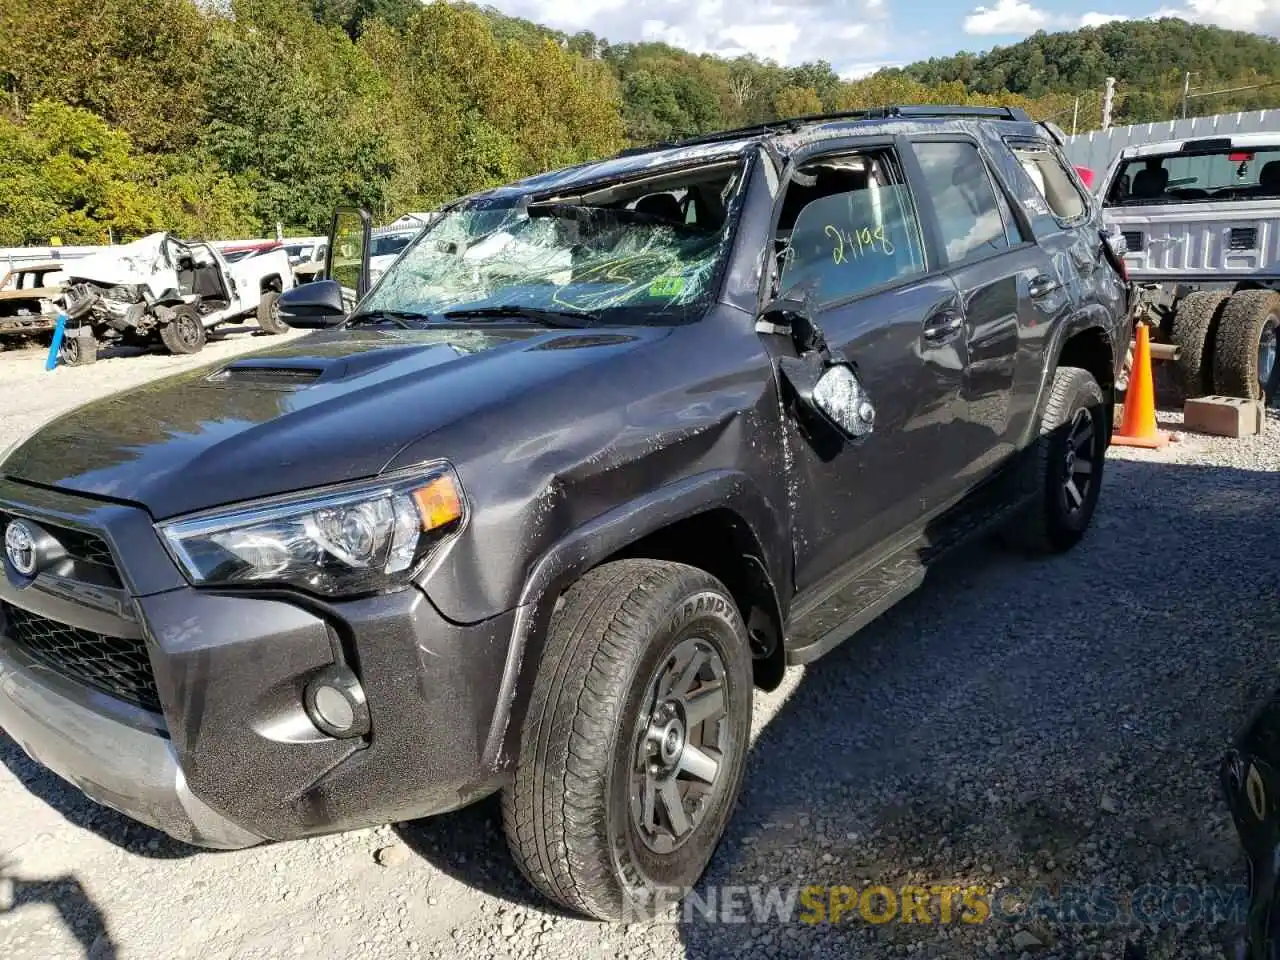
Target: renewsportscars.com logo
pixel 943 904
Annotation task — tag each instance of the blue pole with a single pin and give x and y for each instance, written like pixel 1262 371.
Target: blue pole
pixel 58 331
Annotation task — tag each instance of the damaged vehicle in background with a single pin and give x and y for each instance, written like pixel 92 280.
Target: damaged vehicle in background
pixel 1200 220
pixel 601 452
pixel 29 302
pixel 173 291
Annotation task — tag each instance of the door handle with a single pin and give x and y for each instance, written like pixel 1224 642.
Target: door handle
pixel 943 326
pixel 1042 286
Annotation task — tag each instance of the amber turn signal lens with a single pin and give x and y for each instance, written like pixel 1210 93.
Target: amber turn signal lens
pixel 439 503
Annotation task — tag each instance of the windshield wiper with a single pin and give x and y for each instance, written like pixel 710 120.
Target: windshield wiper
pixel 552 318
pixel 404 319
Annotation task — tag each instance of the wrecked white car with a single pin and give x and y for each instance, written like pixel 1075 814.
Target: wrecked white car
pixel 172 290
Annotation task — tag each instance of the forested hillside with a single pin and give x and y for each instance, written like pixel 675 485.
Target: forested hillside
pixel 1148 58
pixel 221 119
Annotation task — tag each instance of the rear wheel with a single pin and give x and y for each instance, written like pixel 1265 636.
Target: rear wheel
pixel 1065 466
pixel 269 313
pixel 634 746
pixel 184 333
pixel 1195 325
pixel 1244 360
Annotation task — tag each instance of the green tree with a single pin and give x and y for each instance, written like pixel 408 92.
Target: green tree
pixel 797 102
pixel 139 64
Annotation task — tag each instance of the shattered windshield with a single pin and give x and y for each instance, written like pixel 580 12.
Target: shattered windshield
pixel 623 254
pixel 1225 174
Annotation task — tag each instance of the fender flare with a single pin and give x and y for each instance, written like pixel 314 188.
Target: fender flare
pixel 586 547
pixel 1062 332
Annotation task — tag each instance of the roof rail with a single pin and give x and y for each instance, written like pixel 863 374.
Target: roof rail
pixel 907 111
pixel 792 124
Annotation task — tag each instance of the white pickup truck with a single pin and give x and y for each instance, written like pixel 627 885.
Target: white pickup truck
pixel 173 290
pixel 1201 224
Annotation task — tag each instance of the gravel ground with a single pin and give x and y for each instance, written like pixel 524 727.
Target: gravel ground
pixel 1014 723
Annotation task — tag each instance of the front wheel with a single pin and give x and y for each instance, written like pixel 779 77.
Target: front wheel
pixel 634 746
pixel 79 347
pixel 184 333
pixel 1064 469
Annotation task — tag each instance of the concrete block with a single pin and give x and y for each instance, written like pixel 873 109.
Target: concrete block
pixel 1224 416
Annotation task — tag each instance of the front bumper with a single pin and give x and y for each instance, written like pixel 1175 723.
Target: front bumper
pixel 232 758
pixel 118 765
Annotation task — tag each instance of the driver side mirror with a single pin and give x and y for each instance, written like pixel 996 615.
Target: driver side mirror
pixel 314 305
pixel 831 389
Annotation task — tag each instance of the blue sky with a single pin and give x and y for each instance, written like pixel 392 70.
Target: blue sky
pixel 859 36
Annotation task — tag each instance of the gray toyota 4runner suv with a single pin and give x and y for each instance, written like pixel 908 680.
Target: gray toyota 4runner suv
pixel 600 452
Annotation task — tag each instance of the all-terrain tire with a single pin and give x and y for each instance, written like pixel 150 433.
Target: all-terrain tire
pixel 78 350
pixel 269 314
pixel 1054 520
pixel 568 814
pixel 1248 316
pixel 184 333
pixel 1195 324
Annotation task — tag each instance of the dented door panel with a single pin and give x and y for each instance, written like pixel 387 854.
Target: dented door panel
pixel 849 498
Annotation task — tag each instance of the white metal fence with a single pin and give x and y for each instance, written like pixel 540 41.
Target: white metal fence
pixel 1098 148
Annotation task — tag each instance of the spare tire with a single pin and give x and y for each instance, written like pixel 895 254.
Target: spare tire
pixel 1244 356
pixel 184 333
pixel 1195 324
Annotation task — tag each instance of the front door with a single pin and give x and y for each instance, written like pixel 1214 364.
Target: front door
pixel 849 234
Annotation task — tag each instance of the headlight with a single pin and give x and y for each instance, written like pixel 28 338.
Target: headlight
pixel 368 537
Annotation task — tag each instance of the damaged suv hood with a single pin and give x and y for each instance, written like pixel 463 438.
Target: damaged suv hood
pixel 331 407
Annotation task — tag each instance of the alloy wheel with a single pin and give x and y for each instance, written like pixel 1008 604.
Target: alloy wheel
pixel 1079 460
pixel 681 740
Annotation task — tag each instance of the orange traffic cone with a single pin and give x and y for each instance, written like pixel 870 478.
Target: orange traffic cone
pixel 1139 426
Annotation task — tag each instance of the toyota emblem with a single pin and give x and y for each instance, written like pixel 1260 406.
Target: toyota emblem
pixel 20 547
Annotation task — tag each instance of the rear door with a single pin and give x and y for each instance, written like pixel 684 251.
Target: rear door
pixel 1010 290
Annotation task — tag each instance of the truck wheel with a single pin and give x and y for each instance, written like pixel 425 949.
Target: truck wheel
pixel 1244 358
pixel 634 746
pixel 184 333
pixel 1065 466
pixel 78 349
pixel 1195 324
pixel 269 313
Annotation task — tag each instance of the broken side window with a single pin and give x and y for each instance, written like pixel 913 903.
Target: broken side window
pixel 848 225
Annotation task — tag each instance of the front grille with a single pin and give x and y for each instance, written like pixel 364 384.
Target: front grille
pixel 1132 240
pixel 1242 238
pixel 114 665
pixel 79 546
pixel 84 546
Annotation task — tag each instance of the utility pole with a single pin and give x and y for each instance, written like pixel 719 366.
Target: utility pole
pixel 1107 97
pixel 1075 115
pixel 1186 93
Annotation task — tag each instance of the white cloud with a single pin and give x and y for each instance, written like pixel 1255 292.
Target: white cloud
pixel 1006 18
pixel 843 32
pixel 1098 19
pixel 856 71
pixel 1260 16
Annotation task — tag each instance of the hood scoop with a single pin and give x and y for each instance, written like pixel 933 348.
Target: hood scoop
pixel 271 373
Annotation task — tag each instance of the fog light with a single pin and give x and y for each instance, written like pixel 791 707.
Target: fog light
pixel 335 702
